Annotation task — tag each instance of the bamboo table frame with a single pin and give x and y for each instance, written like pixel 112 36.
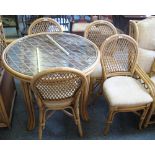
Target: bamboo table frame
pixel 27 56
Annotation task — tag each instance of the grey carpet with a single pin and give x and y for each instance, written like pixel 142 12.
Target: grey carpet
pixel 62 127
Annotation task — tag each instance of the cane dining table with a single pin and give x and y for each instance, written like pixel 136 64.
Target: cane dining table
pixel 31 54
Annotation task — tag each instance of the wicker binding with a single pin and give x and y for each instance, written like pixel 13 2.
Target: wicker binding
pixel 118 55
pixel 98 31
pixel 58 89
pixel 44 25
pixel 119 58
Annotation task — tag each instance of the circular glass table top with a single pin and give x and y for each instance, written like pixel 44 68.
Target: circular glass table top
pixel 29 55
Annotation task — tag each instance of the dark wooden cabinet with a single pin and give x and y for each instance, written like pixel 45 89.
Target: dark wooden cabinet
pixel 10 21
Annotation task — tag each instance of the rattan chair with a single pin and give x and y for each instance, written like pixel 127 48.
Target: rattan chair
pixel 126 86
pixel 7 88
pixel 144 33
pixel 44 25
pixel 58 89
pixel 97 32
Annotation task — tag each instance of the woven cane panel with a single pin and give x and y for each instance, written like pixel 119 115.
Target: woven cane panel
pixel 99 32
pixel 56 86
pixel 119 55
pixel 45 26
pixel 2 40
pixel 23 57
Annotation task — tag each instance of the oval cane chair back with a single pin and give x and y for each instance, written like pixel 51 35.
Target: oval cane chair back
pixel 58 84
pixel 119 55
pixel 99 30
pixel 58 89
pixel 2 41
pixel 44 25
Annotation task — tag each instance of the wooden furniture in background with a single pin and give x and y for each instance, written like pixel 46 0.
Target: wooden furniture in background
pixel 44 25
pixel 79 24
pixel 10 21
pixel 58 89
pixel 122 21
pixel 34 53
pixel 126 87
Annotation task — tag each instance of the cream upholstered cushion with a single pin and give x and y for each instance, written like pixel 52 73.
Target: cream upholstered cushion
pixel 125 91
pixel 146 30
pixel 97 73
pixel 79 27
pixel 146 59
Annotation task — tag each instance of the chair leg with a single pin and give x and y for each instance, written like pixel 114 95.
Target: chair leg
pixel 91 84
pixel 143 117
pixel 78 121
pixel 41 123
pixel 101 88
pixel 74 116
pixel 109 121
pixel 148 117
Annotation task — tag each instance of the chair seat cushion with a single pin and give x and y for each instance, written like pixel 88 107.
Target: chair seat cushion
pixel 79 27
pixel 125 91
pixel 146 59
pixel 97 73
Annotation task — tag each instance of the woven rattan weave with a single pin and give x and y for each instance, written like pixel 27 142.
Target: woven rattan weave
pixel 2 42
pixel 44 25
pixel 99 30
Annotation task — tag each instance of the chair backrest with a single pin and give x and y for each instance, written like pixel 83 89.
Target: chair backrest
pixel 58 84
pixel 143 32
pixel 2 41
pixel 99 30
pixel 44 25
pixel 119 55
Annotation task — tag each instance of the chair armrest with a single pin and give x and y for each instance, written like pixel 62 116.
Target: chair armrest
pixel 152 71
pixel 144 79
pixel 133 29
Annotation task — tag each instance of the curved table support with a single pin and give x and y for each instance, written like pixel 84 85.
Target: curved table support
pixel 84 101
pixel 29 104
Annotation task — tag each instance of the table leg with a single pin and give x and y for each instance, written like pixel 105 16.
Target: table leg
pixel 84 101
pixel 29 104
